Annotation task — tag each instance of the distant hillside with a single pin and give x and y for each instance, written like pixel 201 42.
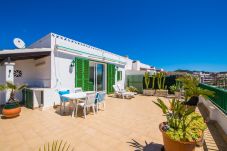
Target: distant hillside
pixel 188 71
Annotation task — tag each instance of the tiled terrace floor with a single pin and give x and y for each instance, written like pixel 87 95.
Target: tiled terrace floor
pixel 113 129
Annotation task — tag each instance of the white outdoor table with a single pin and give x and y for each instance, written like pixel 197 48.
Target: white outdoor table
pixel 75 97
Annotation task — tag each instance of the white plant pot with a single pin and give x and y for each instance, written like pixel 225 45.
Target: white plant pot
pixel 148 92
pixel 161 93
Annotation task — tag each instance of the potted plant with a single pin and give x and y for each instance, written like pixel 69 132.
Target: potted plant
pixel 147 79
pixel 176 89
pixel 183 128
pixel 12 107
pixel 192 91
pixel 162 89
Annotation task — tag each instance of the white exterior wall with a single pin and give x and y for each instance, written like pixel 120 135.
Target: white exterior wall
pixel 35 73
pixel 45 42
pixel 89 52
pixel 63 76
pixel 128 65
pixel 136 66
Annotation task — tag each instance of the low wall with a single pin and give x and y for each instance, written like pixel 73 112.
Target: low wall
pixel 215 113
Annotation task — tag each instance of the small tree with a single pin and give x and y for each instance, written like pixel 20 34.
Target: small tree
pixel 147 79
pixel 14 88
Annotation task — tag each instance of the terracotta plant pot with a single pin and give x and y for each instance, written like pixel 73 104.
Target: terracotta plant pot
pixel 172 145
pixel 161 93
pixel 11 110
pixel 148 92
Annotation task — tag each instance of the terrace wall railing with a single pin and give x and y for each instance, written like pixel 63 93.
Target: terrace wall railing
pixel 220 97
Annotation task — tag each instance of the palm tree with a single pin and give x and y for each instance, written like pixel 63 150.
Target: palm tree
pixel 14 88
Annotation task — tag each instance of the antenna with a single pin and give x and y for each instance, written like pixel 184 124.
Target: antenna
pixel 19 43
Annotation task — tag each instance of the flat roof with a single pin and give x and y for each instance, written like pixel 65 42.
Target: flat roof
pixel 21 54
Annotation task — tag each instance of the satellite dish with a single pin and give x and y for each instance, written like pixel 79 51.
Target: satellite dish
pixel 19 43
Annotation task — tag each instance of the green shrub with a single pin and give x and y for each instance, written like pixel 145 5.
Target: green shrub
pixel 131 89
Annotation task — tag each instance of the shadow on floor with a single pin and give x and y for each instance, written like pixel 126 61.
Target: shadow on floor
pixel 69 109
pixel 213 138
pixel 147 147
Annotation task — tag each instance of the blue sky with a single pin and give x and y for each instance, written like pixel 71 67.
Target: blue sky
pixel 176 34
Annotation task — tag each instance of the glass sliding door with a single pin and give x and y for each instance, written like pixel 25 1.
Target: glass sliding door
pixel 97 76
pixel 100 76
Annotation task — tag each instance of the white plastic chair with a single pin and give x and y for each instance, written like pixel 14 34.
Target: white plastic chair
pixel 89 102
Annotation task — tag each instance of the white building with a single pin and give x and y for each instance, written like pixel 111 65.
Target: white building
pixel 55 62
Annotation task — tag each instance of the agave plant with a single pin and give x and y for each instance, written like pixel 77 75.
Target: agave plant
pixel 183 124
pixel 56 146
pixel 14 88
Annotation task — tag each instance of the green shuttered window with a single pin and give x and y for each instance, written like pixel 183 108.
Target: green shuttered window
pixel 110 78
pixel 82 73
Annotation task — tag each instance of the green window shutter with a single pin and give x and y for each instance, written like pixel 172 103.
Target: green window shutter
pixel 110 78
pixel 78 72
pixel 82 73
pixel 86 75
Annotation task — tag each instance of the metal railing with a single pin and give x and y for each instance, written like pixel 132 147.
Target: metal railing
pixel 220 97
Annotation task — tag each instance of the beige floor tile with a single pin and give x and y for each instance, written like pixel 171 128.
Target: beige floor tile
pixel 121 123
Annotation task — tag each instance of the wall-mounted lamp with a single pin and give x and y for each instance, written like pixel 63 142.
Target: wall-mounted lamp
pixel 73 63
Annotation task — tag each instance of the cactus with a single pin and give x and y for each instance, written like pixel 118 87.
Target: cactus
pixel 164 81
pixel 153 80
pixel 161 80
pixel 147 79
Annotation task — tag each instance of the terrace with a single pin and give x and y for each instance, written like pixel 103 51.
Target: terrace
pixel 124 125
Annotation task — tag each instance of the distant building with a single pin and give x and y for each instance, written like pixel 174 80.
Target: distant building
pixel 221 79
pixel 135 67
pixel 206 77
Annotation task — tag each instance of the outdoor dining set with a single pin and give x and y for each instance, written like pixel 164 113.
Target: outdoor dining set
pixel 84 100
pixel 89 99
